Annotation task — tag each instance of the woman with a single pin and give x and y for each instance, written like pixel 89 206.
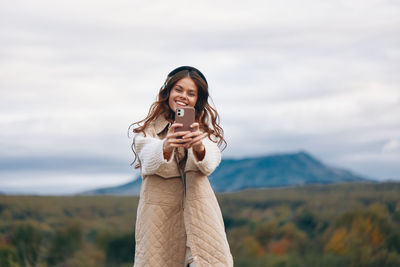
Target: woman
pixel 179 221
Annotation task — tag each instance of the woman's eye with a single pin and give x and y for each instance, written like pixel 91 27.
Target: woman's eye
pixel 178 90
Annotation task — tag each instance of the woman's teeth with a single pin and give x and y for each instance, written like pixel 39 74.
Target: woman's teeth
pixel 180 103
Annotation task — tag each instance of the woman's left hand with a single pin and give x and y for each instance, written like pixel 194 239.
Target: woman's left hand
pixel 197 136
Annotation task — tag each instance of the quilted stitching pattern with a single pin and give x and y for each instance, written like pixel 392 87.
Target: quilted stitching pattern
pixel 208 233
pixel 157 227
pixel 163 226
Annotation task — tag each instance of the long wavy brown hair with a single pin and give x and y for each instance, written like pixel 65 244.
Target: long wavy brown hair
pixel 205 113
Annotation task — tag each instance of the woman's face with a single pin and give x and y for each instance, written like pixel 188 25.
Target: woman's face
pixel 184 93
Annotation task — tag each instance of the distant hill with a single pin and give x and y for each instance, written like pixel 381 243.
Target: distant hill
pixel 278 170
pixel 131 188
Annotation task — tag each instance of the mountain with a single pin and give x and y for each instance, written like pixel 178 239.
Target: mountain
pixel 131 188
pixel 277 170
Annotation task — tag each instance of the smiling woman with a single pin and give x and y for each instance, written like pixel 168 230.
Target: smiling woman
pixel 184 93
pixel 179 221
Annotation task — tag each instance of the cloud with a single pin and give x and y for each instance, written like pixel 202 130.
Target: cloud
pixel 284 75
pixel 76 164
pixel 56 183
pixel 392 146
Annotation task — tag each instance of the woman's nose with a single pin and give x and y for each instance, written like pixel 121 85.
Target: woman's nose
pixel 184 95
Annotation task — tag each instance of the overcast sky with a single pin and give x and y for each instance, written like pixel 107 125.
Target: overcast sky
pixel 288 75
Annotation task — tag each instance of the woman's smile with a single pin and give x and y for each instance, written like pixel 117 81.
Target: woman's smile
pixel 183 94
pixel 180 103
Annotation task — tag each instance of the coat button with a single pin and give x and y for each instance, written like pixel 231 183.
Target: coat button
pixel 183 235
pixel 195 258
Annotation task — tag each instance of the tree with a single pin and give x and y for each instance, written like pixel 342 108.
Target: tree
pixel 64 243
pixel 27 239
pixel 8 256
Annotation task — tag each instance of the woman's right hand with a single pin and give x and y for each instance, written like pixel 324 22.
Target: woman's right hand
pixel 174 139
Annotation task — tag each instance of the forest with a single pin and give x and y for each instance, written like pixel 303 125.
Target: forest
pixel 349 224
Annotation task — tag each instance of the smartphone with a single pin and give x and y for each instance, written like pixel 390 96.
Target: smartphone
pixel 185 116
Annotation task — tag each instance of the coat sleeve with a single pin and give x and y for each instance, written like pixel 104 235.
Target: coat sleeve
pixel 151 158
pixel 211 159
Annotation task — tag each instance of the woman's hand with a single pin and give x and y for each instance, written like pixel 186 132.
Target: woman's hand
pixel 174 140
pixel 196 141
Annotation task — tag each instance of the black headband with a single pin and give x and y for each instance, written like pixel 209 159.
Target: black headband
pixel 189 68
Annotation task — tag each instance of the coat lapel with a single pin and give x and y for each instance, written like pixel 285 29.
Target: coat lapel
pixel 160 123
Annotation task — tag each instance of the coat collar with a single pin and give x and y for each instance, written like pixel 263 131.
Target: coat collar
pixel 160 123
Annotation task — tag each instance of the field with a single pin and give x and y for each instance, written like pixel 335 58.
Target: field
pixel 356 224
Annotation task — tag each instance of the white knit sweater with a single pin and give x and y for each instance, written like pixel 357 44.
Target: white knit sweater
pixel 151 158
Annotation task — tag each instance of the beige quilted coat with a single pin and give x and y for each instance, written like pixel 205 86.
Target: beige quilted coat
pixel 168 218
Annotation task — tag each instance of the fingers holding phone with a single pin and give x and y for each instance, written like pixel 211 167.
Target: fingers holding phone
pixel 174 139
pixel 196 137
pixel 185 122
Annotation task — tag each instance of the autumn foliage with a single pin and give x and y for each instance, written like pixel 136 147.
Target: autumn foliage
pixel 333 225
